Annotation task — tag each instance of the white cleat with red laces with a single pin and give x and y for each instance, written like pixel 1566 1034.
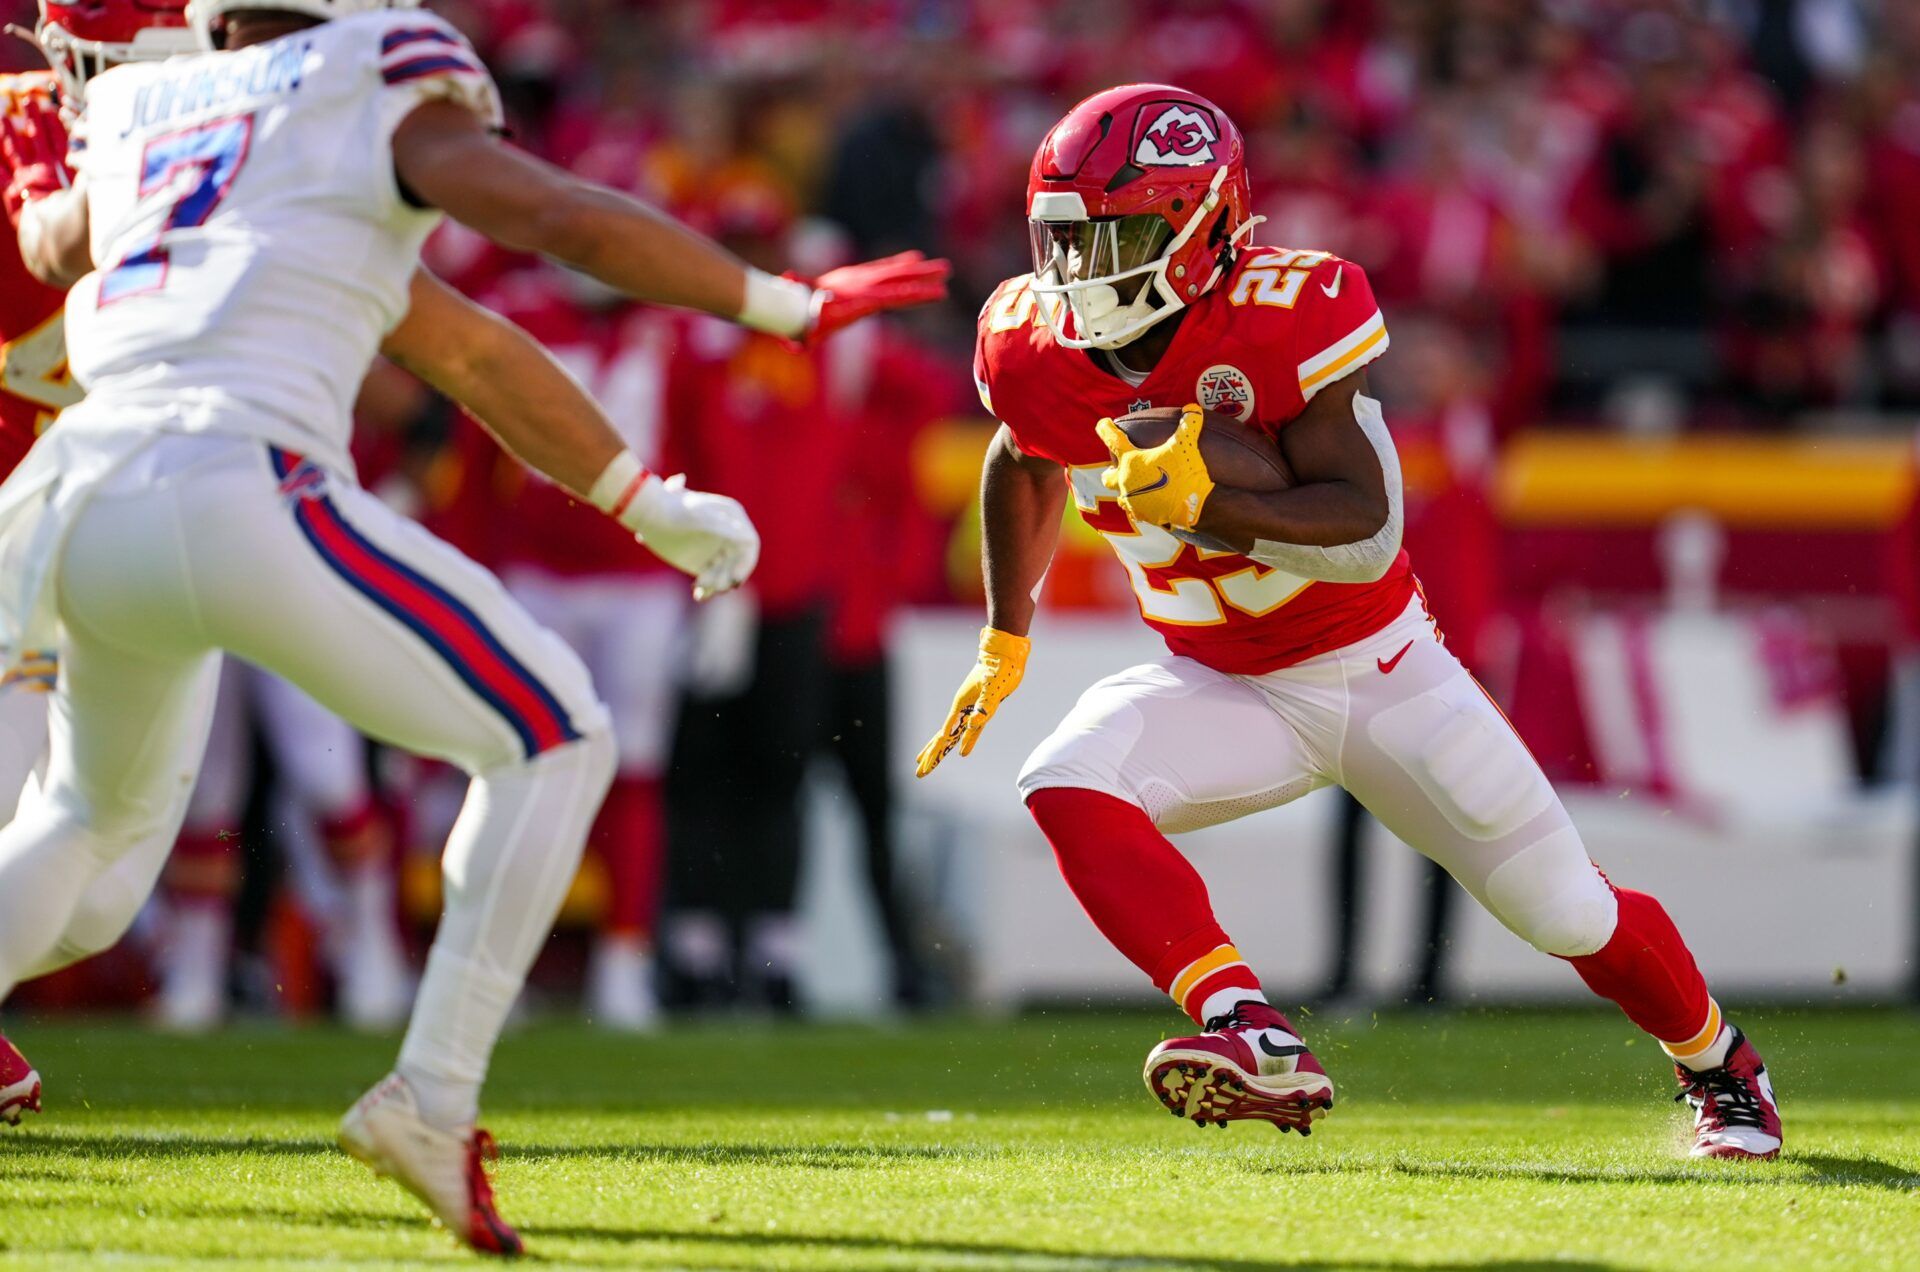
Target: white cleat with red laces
pixel 1734 1112
pixel 1249 1065
pixel 19 1085
pixel 447 1171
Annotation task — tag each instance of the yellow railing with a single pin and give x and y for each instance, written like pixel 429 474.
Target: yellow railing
pixel 1574 479
pixel 1784 483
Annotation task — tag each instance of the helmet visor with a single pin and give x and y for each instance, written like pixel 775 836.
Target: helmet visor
pixel 1114 249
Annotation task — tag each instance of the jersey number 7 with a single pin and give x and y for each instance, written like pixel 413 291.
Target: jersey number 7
pixel 193 168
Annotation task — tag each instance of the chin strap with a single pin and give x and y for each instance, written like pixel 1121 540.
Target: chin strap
pixel 1235 241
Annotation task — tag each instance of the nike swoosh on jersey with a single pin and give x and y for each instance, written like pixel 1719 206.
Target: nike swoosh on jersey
pixel 1387 665
pixel 1333 289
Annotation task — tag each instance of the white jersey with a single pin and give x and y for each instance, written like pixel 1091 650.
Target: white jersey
pixel 254 245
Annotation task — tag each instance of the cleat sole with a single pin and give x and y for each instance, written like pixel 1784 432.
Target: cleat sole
pixel 18 1103
pixel 1213 1091
pixel 1729 1153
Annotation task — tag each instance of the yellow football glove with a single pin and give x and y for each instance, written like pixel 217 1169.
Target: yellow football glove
pixel 1164 485
pixel 1003 660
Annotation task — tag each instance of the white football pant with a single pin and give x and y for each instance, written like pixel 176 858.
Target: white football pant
pixel 1393 718
pixel 319 755
pixel 208 543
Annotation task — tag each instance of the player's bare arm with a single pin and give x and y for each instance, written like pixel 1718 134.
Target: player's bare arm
pixel 541 414
pixel 508 381
pixel 447 158
pixel 1343 493
pixel 1021 499
pixel 54 240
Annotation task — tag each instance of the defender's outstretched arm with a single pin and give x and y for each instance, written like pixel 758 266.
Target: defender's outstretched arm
pixel 545 418
pixel 54 238
pixel 447 158
pixel 507 381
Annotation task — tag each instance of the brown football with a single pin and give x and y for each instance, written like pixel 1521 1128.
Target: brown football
pixel 1236 455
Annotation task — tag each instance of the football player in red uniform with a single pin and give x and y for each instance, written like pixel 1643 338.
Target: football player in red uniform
pixel 1302 657
pixel 79 40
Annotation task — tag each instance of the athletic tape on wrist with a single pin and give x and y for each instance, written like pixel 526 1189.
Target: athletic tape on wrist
pixel 780 306
pixel 618 486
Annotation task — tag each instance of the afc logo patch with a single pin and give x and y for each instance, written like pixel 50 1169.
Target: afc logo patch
pixel 1226 390
pixel 1179 136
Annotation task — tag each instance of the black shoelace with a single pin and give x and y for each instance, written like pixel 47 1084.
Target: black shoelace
pixel 1735 1102
pixel 1234 1019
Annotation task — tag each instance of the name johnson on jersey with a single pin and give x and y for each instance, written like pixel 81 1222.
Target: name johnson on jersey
pixel 263 71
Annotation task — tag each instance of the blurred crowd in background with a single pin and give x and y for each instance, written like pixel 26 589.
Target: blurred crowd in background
pixel 1636 211
pixel 1648 217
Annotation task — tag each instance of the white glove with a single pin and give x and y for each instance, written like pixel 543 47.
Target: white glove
pixel 707 536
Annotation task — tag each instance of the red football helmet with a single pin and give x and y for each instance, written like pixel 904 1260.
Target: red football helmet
pixel 81 38
pixel 1135 204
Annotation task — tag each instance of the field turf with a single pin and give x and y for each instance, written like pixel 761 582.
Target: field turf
pixel 1486 1140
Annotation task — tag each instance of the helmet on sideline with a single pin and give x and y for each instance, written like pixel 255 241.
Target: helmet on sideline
pixel 1135 204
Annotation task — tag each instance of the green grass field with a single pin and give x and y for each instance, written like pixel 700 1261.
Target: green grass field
pixel 1475 1140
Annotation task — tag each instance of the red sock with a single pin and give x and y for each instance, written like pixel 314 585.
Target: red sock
pixel 1647 969
pixel 1143 895
pixel 627 835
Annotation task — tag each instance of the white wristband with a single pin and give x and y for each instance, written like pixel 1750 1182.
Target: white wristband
pixel 615 489
pixel 780 306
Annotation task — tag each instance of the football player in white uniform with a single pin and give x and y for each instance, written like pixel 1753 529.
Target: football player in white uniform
pixel 245 230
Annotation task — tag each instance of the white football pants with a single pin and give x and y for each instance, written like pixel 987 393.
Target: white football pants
pixel 1393 718
pixel 320 757
pixel 205 543
pixel 114 898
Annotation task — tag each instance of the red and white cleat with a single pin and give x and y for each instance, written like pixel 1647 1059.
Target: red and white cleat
pixel 19 1085
pixel 447 1171
pixel 1734 1112
pixel 1249 1065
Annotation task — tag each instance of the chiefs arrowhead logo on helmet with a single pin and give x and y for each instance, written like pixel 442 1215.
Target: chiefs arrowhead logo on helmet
pixel 1177 135
pixel 1136 203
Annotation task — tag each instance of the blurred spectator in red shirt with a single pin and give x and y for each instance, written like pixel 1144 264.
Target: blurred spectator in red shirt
pixel 752 417
pixel 1798 336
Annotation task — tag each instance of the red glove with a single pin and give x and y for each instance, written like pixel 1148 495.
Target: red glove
pixel 844 296
pixel 33 153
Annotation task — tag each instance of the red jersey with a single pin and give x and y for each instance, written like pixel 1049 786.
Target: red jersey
pixel 34 383
pixel 892 390
pixel 751 417
pixel 619 354
pixel 1280 327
